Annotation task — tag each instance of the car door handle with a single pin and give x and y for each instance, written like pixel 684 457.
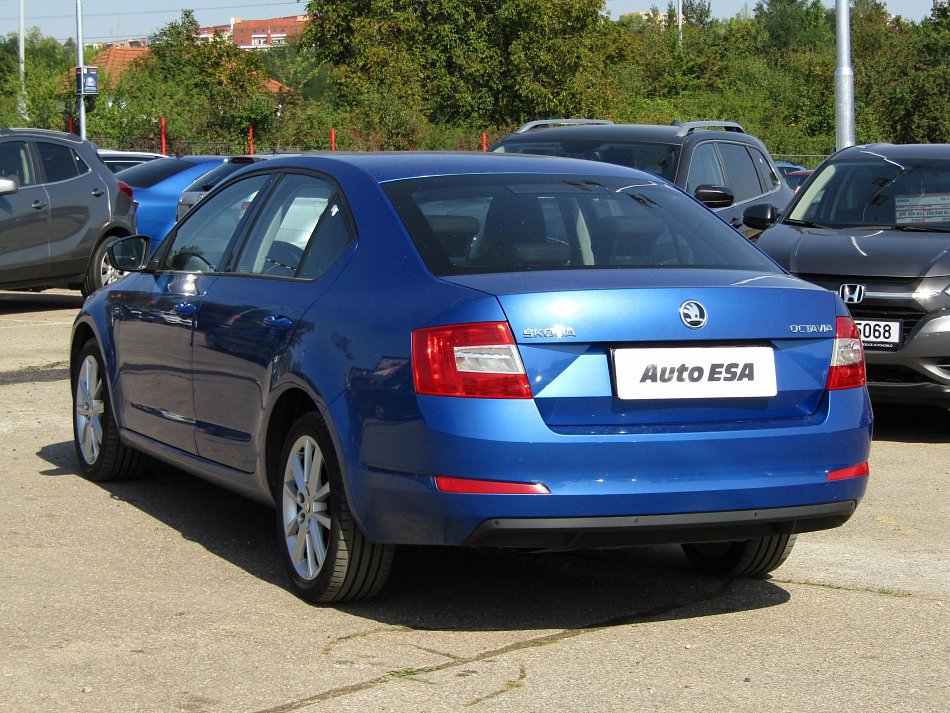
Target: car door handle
pixel 278 322
pixel 39 205
pixel 97 192
pixel 186 309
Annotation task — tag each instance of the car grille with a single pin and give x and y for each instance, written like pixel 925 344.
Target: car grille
pixel 895 374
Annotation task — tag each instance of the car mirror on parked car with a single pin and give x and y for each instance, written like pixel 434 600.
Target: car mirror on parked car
pixel 130 254
pixel 714 196
pixel 760 216
pixel 8 185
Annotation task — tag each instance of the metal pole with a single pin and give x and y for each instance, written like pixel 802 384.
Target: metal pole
pixel 79 63
pixel 844 79
pixel 679 21
pixel 21 99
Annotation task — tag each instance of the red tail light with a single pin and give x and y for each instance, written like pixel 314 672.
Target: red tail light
pixel 855 471
pixel 488 487
pixel 479 359
pixel 127 190
pixel 847 357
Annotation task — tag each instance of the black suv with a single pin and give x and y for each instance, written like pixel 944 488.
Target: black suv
pixel 715 161
pixel 59 206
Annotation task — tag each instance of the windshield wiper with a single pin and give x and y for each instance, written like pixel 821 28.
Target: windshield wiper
pixel 923 228
pixel 805 223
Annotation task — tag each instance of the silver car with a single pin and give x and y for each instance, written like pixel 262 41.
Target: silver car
pixel 59 207
pixel 873 225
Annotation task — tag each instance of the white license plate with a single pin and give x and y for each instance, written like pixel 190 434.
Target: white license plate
pixel 695 372
pixel 879 333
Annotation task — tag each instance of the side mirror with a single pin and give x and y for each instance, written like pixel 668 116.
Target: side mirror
pixel 760 216
pixel 130 254
pixel 715 196
pixel 9 185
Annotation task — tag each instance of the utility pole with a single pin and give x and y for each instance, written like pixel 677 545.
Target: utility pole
pixel 679 21
pixel 844 79
pixel 79 63
pixel 21 99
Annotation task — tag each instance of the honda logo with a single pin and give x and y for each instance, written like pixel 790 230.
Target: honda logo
pixel 851 294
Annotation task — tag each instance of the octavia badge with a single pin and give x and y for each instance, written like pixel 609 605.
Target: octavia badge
pixel 851 294
pixel 693 314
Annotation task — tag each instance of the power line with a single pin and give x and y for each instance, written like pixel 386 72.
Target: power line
pixel 145 12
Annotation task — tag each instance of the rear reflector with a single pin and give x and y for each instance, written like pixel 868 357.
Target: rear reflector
pixel 847 357
pixel 479 359
pixel 855 471
pixel 488 487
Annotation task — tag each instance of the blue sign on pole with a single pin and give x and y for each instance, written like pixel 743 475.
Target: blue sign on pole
pixel 87 80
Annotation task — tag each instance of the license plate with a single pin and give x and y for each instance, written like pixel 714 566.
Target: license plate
pixel 695 372
pixel 881 334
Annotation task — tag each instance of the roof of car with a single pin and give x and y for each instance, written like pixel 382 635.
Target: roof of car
pixel 898 151
pixel 675 133
pixel 393 165
pixel 41 133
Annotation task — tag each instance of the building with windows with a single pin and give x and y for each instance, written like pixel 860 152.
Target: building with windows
pixel 258 34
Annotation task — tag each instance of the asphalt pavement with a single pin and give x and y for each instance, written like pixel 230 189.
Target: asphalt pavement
pixel 166 594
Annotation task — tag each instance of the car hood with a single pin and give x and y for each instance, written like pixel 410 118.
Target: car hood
pixel 865 252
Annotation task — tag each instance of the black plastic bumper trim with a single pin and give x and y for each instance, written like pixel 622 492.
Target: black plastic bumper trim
pixel 626 531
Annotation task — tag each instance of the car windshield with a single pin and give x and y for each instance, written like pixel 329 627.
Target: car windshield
pixel 870 190
pixel 505 223
pixel 656 158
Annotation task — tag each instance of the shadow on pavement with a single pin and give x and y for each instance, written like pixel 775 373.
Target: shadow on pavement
pixel 911 424
pixel 21 302
pixel 453 589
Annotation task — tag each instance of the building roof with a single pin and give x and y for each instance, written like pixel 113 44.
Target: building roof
pixel 114 61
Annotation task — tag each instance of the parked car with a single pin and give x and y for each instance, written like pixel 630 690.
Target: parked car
pixel 795 179
pixel 787 167
pixel 59 206
pixel 716 161
pixel 121 160
pixel 158 186
pixel 476 350
pixel 873 224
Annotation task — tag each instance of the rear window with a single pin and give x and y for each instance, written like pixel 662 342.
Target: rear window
pixel 146 175
pixel 506 223
pixel 656 158
pixel 216 175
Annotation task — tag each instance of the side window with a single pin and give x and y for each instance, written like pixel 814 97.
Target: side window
pixel 769 178
pixel 741 173
pixel 287 226
pixel 704 169
pixel 15 162
pixel 201 240
pixel 334 233
pixel 59 162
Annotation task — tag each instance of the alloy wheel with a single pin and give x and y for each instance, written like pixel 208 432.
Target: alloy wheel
pixel 305 508
pixel 90 409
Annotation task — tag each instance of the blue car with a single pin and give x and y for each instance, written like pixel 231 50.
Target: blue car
pixel 479 350
pixel 158 186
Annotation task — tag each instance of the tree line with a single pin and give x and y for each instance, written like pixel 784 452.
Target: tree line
pixel 435 74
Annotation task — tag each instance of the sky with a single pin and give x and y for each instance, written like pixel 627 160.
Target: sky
pixel 107 20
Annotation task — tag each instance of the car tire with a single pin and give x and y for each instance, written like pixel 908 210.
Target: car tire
pixel 101 454
pixel 327 557
pixel 747 558
pixel 100 272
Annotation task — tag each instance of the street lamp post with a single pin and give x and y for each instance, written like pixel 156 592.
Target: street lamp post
pixel 844 79
pixel 79 63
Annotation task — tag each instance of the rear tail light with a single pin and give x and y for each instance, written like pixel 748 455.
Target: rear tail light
pixel 847 357
pixel 479 359
pixel 127 190
pixel 488 487
pixel 855 471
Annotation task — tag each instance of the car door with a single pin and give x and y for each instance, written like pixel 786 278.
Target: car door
pixel 155 328
pixel 742 177
pixel 252 314
pixel 79 206
pixel 24 218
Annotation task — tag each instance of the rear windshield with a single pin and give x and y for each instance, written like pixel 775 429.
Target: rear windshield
pixel 656 158
pixel 146 175
pixel 505 223
pixel 216 175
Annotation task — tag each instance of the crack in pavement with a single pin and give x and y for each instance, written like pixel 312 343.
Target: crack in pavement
pixel 538 642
